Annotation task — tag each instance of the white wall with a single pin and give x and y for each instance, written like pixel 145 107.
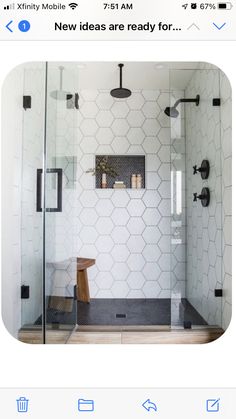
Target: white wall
pixel 226 141
pixel 208 133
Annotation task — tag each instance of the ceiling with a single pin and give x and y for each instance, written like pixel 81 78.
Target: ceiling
pixel 136 75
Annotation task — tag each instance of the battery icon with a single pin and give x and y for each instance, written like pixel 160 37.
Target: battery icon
pixel 225 6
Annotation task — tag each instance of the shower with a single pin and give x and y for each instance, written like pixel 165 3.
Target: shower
pixel 172 112
pixel 120 92
pixel 107 242
pixel 60 94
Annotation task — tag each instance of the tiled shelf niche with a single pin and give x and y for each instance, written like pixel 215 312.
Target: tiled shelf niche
pixel 125 166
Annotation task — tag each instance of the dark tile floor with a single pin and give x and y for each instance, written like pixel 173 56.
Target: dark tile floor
pixel 123 311
pixel 126 312
pixel 61 314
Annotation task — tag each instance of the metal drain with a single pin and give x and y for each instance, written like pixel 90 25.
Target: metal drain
pixel 121 316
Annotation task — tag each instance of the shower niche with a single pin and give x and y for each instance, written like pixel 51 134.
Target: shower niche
pixel 119 171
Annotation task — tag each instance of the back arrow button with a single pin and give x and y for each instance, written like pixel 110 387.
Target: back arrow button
pixel 148 405
pixel 8 26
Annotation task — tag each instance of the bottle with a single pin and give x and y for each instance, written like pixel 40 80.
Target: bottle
pixel 133 181
pixel 139 181
pixel 104 181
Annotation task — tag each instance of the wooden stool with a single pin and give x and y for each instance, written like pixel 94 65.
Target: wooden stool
pixel 82 279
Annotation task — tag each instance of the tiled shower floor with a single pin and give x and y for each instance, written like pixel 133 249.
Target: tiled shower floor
pixel 124 312
pixel 133 312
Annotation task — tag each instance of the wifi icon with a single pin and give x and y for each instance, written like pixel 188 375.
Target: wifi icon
pixel 73 5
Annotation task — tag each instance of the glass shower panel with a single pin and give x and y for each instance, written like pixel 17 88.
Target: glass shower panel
pixel 31 220
pixel 196 198
pixel 60 216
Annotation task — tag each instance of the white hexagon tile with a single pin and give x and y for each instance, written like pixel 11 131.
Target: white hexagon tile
pixel 208 269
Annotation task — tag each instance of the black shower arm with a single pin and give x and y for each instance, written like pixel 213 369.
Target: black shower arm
pixel 121 66
pixel 184 101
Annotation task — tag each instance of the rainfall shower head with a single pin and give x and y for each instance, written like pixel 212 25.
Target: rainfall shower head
pixel 172 112
pixel 120 92
pixel 60 94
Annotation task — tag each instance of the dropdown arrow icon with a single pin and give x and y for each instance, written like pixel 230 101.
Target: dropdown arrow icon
pixel 219 27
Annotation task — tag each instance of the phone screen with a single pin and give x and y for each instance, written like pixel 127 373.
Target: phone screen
pixel 116 199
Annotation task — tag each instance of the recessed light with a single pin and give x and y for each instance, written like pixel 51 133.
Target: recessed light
pixel 159 66
pixel 81 66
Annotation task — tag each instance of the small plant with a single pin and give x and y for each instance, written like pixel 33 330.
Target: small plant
pixel 103 166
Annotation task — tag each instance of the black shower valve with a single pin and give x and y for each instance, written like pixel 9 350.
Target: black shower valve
pixel 204 169
pixel 204 197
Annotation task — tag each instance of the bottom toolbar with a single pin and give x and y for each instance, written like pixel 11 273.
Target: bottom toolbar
pixel 118 403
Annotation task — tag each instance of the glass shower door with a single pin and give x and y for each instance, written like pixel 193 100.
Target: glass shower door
pixel 60 216
pixel 31 230
pixel 196 201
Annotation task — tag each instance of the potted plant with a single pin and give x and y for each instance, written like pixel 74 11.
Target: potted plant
pixel 103 168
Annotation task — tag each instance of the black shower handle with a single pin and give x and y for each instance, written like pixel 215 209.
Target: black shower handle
pixel 195 169
pixel 196 196
pixel 204 169
pixel 204 197
pixel 199 169
pixel 76 100
pixel 59 173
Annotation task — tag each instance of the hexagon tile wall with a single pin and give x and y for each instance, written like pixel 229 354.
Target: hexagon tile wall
pixel 208 135
pixel 126 231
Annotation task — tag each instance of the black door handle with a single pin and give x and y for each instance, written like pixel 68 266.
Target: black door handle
pixel 76 100
pixel 58 208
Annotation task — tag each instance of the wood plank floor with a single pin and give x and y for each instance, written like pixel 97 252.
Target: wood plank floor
pixel 135 335
pixel 35 337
